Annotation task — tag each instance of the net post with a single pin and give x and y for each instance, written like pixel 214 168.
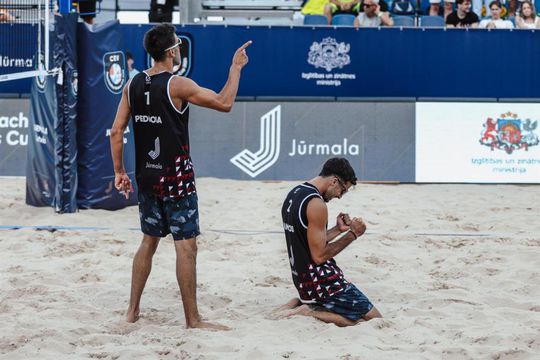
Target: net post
pixel 47 19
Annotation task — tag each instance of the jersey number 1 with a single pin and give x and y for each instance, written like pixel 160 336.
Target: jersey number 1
pixel 147 94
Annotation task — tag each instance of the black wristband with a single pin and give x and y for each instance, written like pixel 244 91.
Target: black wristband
pixel 355 236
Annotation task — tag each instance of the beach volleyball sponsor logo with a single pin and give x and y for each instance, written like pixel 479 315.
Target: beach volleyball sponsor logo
pixel 154 153
pixel 329 54
pixel 509 133
pixel 184 68
pixel 254 163
pixel 74 83
pixel 114 67
pixel 41 78
pixel 152 119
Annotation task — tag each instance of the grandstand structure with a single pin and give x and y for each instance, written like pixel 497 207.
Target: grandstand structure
pixel 248 12
pixel 238 12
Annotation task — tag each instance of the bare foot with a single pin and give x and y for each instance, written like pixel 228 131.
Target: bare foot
pixel 301 310
pixel 277 312
pixel 208 326
pixel 132 316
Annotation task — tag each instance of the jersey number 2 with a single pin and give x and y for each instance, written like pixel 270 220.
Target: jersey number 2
pixel 289 207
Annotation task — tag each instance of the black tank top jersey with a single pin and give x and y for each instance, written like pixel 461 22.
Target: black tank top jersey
pixel 313 282
pixel 163 164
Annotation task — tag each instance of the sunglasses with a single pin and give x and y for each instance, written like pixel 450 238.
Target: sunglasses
pixel 342 185
pixel 175 45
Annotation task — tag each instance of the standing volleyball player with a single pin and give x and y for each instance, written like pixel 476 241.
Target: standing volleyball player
pixel 324 292
pixel 158 103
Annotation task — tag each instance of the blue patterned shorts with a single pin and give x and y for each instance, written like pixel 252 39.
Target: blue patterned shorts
pixel 162 216
pixel 350 303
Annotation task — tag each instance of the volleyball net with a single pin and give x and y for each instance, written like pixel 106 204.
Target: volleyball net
pixel 25 27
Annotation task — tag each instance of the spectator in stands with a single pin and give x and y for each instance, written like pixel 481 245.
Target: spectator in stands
pixel 161 11
pixel 481 7
pixel 463 16
pixel 495 22
pixel 383 6
pixel 373 16
pixel 435 8
pixel 335 7
pixel 131 70
pixel 512 5
pixel 313 7
pixel 87 10
pixel 527 18
pixel 5 16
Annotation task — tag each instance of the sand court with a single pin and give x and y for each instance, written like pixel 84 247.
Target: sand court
pixel 454 269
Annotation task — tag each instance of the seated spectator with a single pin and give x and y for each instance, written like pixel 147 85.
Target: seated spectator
pixel 463 16
pixel 527 18
pixel 5 16
pixel 481 7
pixel 335 7
pixel 313 7
pixel 495 22
pixel 373 16
pixel 382 4
pixel 435 7
pixel 130 61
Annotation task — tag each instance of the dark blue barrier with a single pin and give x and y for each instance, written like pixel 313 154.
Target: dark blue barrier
pixel 102 76
pixel 40 172
pixel 51 175
pixel 65 57
pixel 345 62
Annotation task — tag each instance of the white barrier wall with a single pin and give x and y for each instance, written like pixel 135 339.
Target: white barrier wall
pixel 477 142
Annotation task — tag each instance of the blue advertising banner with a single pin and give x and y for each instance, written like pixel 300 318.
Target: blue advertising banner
pixel 17 54
pixel 348 62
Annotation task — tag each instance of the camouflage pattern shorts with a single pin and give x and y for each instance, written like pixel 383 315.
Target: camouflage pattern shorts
pixel 350 303
pixel 162 216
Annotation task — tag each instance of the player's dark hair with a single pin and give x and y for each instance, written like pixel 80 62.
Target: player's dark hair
pixel 339 167
pixel 159 38
pixel 459 2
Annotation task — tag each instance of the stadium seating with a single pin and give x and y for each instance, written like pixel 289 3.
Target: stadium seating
pixel 343 20
pixel 250 9
pixel 315 20
pixel 431 21
pixel 403 7
pixel 403 21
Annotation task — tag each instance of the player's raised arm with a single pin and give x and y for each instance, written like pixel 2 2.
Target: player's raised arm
pixel 184 89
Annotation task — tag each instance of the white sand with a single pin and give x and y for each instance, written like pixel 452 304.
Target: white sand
pixel 64 293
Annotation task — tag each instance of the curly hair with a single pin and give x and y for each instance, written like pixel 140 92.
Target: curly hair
pixel 339 167
pixel 159 38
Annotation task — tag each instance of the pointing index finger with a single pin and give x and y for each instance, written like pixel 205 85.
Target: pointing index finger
pixel 245 45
